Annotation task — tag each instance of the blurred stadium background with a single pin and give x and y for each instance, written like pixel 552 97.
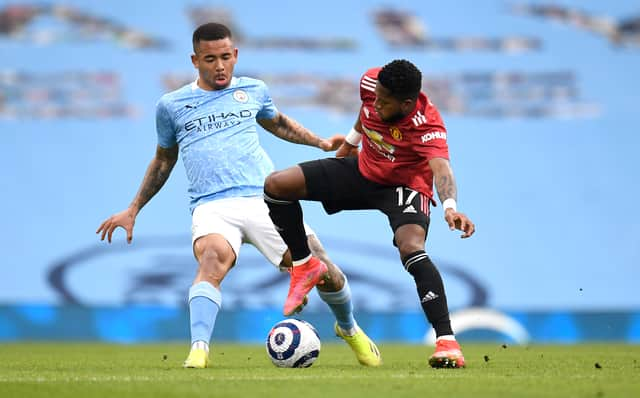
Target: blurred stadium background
pixel 540 100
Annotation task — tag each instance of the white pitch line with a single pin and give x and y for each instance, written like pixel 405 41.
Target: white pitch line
pixel 208 376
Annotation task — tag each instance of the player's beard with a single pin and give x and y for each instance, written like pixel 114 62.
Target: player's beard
pixel 393 118
pixel 213 82
pixel 219 86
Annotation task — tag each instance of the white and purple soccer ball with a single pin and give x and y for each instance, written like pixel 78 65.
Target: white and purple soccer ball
pixel 293 343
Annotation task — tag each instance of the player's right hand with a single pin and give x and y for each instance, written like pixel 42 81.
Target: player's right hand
pixel 125 219
pixel 346 150
pixel 459 221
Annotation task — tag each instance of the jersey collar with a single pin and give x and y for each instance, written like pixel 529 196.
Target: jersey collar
pixel 194 84
pixel 420 103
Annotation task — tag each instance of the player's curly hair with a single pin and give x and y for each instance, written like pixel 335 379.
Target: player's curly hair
pixel 402 78
pixel 210 31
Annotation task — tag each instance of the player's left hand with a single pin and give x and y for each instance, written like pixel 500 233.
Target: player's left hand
pixel 331 143
pixel 460 222
pixel 347 150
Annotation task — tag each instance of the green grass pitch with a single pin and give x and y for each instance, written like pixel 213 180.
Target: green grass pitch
pixel 493 370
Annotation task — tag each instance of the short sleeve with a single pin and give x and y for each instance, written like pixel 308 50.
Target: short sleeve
pixel 164 126
pixel 434 134
pixel 368 83
pixel 434 145
pixel 268 110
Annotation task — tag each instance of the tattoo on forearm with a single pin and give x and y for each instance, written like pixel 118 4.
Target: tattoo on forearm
pixel 157 174
pixel 292 131
pixel 446 187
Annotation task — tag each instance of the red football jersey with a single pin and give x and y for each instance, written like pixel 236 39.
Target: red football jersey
pixel 399 153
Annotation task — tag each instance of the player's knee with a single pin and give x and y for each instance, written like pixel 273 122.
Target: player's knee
pixel 212 269
pixel 288 184
pixel 408 247
pixel 274 184
pixel 211 260
pixel 409 238
pixel 208 257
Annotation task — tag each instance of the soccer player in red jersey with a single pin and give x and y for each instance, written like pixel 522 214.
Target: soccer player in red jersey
pixel 404 151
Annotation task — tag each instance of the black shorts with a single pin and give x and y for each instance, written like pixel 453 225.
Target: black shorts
pixel 338 184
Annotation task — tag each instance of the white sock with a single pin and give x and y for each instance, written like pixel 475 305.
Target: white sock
pixel 200 345
pixel 302 261
pixel 350 332
pixel 448 337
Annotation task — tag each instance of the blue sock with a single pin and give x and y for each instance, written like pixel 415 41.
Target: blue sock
pixel 341 306
pixel 204 303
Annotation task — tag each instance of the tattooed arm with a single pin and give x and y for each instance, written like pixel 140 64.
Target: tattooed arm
pixel 443 178
pixel 288 129
pixel 155 177
pixel 447 191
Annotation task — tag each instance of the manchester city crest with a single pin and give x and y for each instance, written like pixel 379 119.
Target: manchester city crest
pixel 240 96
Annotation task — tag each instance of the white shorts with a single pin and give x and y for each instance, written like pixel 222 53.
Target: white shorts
pixel 241 220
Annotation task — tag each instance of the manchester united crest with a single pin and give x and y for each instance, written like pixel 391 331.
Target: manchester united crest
pixel 395 133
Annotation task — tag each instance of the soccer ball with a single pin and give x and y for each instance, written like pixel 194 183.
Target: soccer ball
pixel 293 343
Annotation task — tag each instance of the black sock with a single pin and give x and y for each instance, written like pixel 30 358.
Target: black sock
pixel 430 290
pixel 287 217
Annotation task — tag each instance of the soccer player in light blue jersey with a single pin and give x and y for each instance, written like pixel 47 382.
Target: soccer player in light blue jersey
pixel 213 122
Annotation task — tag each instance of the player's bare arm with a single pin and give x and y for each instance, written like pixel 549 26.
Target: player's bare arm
pixel 157 174
pixel 288 129
pixel 446 188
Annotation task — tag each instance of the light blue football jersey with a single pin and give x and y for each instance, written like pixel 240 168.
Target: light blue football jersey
pixel 216 132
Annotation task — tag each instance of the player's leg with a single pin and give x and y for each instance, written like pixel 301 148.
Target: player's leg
pixel 282 192
pixel 325 180
pixel 409 219
pixel 215 244
pixel 260 231
pixel 318 180
pixel 337 294
pixel 431 293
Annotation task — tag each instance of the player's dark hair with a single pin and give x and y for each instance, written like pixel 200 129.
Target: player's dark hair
pixel 402 78
pixel 210 31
